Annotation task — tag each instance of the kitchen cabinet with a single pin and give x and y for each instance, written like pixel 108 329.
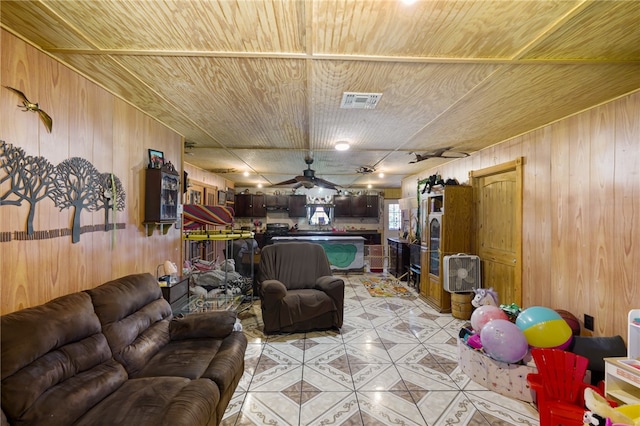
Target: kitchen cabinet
pixel 356 206
pixel 250 205
pixel 447 227
pixel 297 205
pixel 342 206
pixel 398 257
pixel 276 202
pixel 364 206
pixel 162 191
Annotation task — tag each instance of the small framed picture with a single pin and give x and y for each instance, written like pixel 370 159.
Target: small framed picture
pixel 156 159
pixel 222 198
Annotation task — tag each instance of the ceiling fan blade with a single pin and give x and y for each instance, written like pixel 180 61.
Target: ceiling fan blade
pixel 285 182
pixel 325 183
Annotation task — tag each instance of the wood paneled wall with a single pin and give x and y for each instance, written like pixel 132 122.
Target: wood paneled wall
pixel 581 213
pixel 91 123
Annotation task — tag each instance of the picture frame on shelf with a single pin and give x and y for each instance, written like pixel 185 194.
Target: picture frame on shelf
pixel 156 159
pixel 222 198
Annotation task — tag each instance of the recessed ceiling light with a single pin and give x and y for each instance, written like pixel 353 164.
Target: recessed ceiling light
pixel 259 185
pixel 246 173
pixel 380 175
pixel 342 146
pixel 369 186
pixel 408 2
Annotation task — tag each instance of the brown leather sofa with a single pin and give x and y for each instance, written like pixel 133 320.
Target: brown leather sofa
pixel 115 355
pixel 297 290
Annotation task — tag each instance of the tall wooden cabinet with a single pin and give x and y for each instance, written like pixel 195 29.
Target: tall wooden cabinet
pixel 447 226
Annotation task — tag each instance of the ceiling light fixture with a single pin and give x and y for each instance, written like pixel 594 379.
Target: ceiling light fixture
pixel 342 146
pixel 380 175
pixel 245 173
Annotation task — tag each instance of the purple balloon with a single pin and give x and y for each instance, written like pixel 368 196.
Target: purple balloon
pixel 503 341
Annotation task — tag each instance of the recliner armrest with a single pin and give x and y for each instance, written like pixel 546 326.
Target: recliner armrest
pixel 329 283
pixel 218 324
pixel 273 289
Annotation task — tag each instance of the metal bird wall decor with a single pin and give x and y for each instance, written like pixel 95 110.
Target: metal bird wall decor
pixel 33 107
pixel 438 153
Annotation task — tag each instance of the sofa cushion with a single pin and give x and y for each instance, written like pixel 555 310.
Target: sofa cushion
pixel 56 363
pixel 157 401
pixel 135 318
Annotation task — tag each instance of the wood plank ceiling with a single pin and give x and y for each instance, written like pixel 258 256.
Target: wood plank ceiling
pixel 256 85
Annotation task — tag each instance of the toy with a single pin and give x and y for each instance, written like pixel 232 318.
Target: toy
pixel 484 314
pixel 512 311
pixel 571 320
pixel 503 341
pixel 544 328
pixel 599 409
pixel 470 338
pixel 474 341
pixel 484 296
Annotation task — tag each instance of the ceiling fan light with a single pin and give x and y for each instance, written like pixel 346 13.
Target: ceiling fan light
pixel 342 146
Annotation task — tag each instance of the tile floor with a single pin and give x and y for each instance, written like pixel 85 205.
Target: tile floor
pixel 392 363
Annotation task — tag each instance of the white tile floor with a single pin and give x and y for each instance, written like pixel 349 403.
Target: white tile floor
pixel 392 363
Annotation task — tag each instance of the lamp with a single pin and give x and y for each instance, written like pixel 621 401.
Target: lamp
pixel 170 272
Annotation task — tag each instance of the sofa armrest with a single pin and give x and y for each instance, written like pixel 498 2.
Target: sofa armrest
pixel 217 325
pixel 273 290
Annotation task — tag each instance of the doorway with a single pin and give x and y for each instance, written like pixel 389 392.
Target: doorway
pixel 497 194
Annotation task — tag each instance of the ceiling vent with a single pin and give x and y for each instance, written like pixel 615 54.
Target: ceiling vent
pixel 353 100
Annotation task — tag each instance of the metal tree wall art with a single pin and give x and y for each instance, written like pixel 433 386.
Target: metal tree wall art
pixel 72 183
pixel 30 179
pixel 76 184
pixel 111 196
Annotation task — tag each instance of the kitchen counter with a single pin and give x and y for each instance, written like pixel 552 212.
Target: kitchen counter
pixel 345 252
pixel 372 236
pixel 337 233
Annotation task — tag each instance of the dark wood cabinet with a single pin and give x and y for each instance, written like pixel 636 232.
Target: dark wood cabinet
pixel 356 206
pixel 359 206
pixel 162 190
pixel 250 205
pixel 364 206
pixel 297 205
pixel 276 202
pixel 342 206
pixel 174 293
pixel 398 257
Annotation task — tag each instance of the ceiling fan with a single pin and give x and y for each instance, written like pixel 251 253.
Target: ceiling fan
pixel 438 153
pixel 308 178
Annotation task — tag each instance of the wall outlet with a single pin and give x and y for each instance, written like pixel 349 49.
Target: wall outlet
pixel 588 322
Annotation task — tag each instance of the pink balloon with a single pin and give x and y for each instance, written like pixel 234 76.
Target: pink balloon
pixel 503 341
pixel 484 314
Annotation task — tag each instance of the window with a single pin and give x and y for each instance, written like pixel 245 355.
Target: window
pixel 394 217
pixel 318 216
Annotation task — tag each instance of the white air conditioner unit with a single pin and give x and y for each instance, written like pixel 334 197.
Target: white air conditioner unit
pixel 461 273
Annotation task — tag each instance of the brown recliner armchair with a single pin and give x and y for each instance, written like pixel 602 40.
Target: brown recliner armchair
pixel 297 290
